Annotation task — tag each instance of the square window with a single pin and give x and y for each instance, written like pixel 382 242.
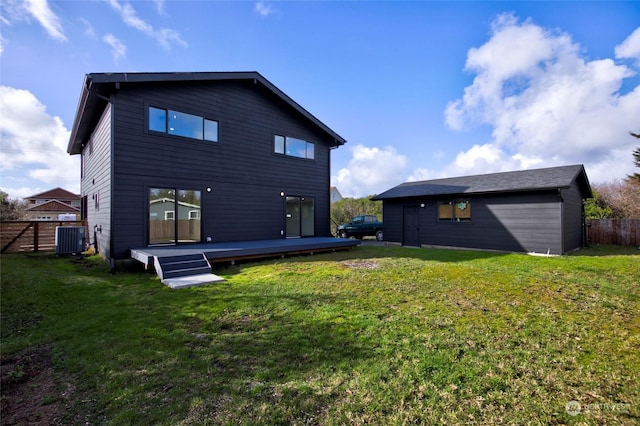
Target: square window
pixel 445 211
pixel 462 210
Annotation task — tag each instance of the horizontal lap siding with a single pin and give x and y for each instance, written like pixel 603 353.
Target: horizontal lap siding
pixel 97 180
pixel 528 222
pixel 392 215
pixel 572 219
pixel 519 222
pixel 245 176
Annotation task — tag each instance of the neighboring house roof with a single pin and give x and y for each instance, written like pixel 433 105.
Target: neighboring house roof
pixel 519 181
pixel 98 87
pixel 53 206
pixel 171 200
pixel 56 193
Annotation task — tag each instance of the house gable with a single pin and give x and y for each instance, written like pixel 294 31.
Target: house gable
pixel 98 88
pixel 246 189
pixel 53 206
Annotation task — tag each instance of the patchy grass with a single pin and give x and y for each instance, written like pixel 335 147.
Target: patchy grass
pixel 372 336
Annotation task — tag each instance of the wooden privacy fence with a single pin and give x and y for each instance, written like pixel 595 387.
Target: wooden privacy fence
pixel 36 235
pixel 623 232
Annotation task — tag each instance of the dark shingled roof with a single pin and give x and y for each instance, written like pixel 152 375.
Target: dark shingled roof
pixel 519 181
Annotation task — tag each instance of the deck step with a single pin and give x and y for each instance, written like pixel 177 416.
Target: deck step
pixel 185 271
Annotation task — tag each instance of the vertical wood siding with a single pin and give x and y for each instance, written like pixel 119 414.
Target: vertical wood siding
pixel 625 232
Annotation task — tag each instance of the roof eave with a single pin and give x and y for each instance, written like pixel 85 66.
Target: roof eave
pixel 76 139
pixel 467 194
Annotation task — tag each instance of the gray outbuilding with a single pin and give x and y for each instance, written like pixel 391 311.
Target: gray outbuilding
pixel 537 211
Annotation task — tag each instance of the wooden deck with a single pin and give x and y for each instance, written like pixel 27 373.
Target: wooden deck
pixel 241 250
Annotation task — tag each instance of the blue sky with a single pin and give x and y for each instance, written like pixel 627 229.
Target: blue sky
pixel 419 89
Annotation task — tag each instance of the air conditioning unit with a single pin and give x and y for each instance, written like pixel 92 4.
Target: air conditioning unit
pixel 70 239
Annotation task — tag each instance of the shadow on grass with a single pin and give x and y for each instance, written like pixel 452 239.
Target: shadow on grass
pixel 272 350
pixel 603 250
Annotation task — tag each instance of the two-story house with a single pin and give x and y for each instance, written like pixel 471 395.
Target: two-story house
pixel 55 204
pixel 180 158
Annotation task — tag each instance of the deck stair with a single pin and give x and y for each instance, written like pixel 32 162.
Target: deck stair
pixel 185 270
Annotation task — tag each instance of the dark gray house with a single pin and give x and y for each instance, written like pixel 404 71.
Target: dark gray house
pixel 524 211
pixel 178 158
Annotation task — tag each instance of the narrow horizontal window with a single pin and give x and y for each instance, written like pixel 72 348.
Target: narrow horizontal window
pixel 182 124
pixel 293 147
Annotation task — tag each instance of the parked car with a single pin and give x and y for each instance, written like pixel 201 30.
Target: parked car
pixel 361 226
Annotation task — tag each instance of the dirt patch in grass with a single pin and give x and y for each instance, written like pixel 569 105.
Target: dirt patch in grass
pixel 30 393
pixel 361 264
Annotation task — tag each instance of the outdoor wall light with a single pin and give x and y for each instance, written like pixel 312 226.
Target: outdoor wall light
pixel 208 189
pixel 422 205
pixel 282 193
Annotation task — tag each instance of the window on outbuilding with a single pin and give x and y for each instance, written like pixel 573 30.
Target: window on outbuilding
pixel 455 210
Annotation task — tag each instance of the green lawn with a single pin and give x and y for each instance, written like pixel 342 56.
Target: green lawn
pixel 375 335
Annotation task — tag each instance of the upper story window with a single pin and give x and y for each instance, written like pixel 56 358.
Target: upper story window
pixel 293 147
pixel 457 211
pixel 182 124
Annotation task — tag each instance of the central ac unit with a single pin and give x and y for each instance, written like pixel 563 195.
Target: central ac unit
pixel 70 239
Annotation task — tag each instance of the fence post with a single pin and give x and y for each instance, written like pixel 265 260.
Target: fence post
pixel 35 236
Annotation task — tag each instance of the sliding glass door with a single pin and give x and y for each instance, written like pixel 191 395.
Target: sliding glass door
pixel 174 216
pixel 300 216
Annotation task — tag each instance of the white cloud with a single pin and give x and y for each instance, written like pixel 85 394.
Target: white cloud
pixel 164 36
pixel 118 49
pixel 547 105
pixel 23 10
pixel 630 48
pixel 370 171
pixel 40 10
pixel 33 144
pixel 88 28
pixel 263 8
pixel 423 174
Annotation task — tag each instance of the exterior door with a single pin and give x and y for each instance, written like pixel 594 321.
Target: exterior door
pixel 411 226
pixel 174 216
pixel 300 216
